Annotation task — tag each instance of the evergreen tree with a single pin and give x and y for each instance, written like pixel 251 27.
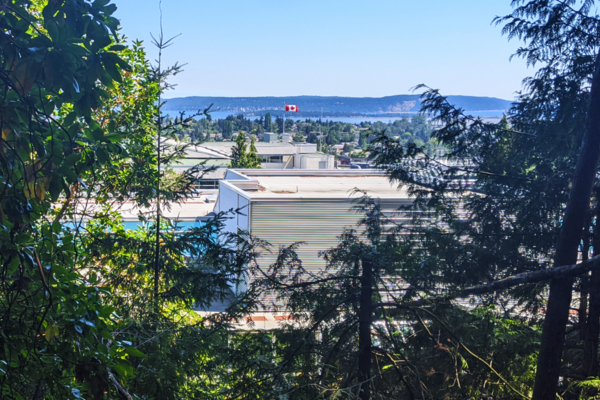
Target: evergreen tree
pixel 268 122
pixel 227 127
pixel 511 181
pixel 241 157
pixel 358 332
pixel 254 160
pixel 279 123
pixel 155 276
pixel 568 46
pixel 362 141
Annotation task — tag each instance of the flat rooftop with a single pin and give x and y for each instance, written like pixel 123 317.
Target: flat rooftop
pixel 188 211
pixel 316 184
pixel 224 148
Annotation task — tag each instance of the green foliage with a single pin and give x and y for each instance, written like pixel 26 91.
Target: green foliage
pixel 298 138
pixel 58 62
pixel 254 160
pixel 589 387
pixel 492 204
pixel 82 134
pixel 241 157
pixel 333 137
pixel 307 131
pixel 419 350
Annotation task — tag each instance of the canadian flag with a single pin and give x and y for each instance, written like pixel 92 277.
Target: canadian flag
pixel 289 107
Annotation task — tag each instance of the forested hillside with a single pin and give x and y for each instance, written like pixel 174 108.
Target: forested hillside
pixel 312 105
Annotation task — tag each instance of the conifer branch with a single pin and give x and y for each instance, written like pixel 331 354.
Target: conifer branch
pixel 530 277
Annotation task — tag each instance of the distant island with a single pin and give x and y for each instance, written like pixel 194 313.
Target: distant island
pixel 311 106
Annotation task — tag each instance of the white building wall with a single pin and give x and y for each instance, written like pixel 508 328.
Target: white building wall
pixel 318 223
pixel 228 199
pixel 314 161
pixel 243 216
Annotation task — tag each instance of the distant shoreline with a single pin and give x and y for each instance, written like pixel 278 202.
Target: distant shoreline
pixel 355 118
pixel 333 107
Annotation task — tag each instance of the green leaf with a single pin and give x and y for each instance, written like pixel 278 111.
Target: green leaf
pixel 132 351
pixel 123 367
pixel 51 332
pixel 110 66
pixel 56 227
pixel 13 265
pixel 98 134
pixel 110 9
pixel 52 30
pixel 71 159
pixel 98 4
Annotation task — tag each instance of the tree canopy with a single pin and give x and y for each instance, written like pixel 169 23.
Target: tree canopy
pixel 448 297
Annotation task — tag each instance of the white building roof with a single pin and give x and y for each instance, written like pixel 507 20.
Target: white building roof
pixel 262 148
pixel 313 184
pixel 190 210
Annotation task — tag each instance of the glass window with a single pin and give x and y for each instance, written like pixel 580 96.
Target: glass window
pixel 207 184
pixel 272 159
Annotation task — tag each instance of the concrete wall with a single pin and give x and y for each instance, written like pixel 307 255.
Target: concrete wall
pixel 313 161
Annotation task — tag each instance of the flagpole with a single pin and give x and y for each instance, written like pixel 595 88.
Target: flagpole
pixel 283 130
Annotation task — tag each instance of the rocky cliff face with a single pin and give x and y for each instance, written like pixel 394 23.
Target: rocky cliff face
pixel 405 106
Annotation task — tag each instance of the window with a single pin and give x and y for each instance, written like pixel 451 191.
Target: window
pixel 272 159
pixel 207 184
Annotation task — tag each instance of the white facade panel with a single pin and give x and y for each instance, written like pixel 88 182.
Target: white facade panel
pixel 314 161
pixel 244 215
pixel 228 199
pixel 318 223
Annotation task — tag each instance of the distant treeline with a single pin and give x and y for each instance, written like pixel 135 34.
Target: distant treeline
pixel 325 133
pixel 312 106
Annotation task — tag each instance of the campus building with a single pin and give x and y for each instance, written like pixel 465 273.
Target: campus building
pixel 310 206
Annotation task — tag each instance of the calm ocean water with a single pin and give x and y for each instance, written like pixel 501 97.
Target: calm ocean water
pixel 494 114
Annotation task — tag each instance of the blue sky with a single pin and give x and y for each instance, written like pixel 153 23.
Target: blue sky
pixel 331 47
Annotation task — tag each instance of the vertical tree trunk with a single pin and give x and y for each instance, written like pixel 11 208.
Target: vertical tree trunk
pixel 583 289
pixel 592 331
pixel 592 327
pixel 160 45
pixel 559 300
pixel 365 320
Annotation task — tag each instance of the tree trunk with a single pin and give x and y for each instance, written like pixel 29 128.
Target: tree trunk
pixel 583 288
pixel 365 320
pixel 559 300
pixel 592 326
